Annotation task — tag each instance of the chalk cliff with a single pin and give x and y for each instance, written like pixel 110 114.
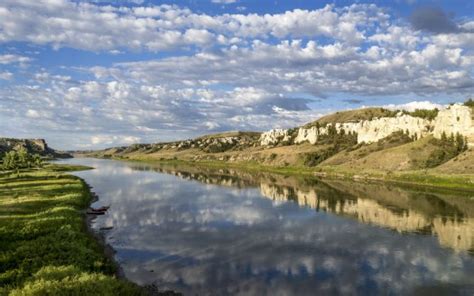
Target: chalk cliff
pixel 454 119
pixel 274 136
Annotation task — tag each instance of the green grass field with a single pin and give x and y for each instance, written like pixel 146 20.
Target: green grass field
pixel 45 248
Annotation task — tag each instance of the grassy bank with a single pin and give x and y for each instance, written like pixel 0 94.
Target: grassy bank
pixel 45 248
pixel 426 178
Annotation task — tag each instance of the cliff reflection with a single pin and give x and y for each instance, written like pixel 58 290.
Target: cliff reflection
pixel 449 218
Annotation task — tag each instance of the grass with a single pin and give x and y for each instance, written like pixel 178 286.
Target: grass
pixel 426 178
pixel 45 248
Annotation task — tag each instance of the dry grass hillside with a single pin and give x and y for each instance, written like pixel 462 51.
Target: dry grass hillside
pixel 407 156
pixel 231 134
pixel 461 164
pixel 353 115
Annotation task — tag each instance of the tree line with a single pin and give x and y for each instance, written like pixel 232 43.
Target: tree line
pixel 20 159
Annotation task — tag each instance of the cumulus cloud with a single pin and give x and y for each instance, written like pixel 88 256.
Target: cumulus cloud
pixel 434 20
pixel 6 59
pixel 412 106
pixel 234 71
pixel 156 28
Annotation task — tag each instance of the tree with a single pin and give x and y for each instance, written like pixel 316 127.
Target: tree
pixel 459 142
pixel 444 138
pixel 37 161
pixel 24 158
pixel 469 103
pixel 16 160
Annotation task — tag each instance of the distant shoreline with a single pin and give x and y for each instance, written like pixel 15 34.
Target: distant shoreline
pixel 424 180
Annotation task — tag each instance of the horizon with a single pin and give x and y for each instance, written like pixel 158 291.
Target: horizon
pixel 88 75
pixel 410 107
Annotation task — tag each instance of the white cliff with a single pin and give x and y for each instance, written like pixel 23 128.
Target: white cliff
pixel 454 119
pixel 309 135
pixel 274 136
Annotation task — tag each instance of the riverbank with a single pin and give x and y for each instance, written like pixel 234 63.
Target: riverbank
pixel 45 246
pixel 421 178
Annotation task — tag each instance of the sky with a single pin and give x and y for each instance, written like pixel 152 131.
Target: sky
pixel 101 73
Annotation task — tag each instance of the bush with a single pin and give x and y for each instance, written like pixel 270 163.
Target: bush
pixel 315 158
pixel 446 148
pixel 338 140
pixel 469 103
pixel 424 113
pixel 14 160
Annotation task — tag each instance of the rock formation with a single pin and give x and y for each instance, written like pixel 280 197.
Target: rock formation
pixel 274 136
pixel 34 146
pixel 454 119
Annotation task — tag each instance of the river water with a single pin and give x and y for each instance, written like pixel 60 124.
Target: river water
pixel 205 231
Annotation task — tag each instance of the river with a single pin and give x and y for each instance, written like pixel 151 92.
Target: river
pixel 205 231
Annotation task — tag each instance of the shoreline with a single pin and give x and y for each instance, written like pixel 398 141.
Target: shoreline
pixel 108 250
pixel 417 179
pixel 50 249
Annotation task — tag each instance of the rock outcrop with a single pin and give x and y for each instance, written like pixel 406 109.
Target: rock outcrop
pixel 454 119
pixel 33 146
pixel 308 135
pixel 274 136
pixel 211 144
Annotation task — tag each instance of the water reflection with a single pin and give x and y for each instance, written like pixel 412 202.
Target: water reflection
pixel 173 226
pixel 450 218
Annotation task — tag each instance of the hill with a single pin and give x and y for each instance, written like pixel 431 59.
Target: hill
pixel 352 116
pixel 33 146
pixel 363 141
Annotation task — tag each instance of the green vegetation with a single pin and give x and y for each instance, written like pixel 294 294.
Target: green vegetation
pixel 469 103
pixel 447 148
pixel 424 113
pixel 16 160
pixel 338 141
pixel 45 248
pixel 353 116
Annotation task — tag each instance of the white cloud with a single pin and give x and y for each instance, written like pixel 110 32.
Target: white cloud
pixel 108 140
pixel 6 75
pixel 165 27
pixel 32 113
pixel 6 59
pixel 412 106
pixel 238 71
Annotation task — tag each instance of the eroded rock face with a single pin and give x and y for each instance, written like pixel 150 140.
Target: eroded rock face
pixel 308 135
pixel 374 130
pixel 274 136
pixel 456 118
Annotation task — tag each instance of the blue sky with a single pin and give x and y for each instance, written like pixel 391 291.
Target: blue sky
pixel 93 74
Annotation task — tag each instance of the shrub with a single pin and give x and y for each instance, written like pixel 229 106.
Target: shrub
pixel 15 160
pixel 446 149
pixel 424 113
pixel 469 103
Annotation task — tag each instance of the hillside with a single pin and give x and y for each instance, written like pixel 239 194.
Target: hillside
pixel 387 156
pixel 366 140
pixel 461 164
pixel 33 146
pixel 352 116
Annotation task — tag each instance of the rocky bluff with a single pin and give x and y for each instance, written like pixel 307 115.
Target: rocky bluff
pixel 33 146
pixel 456 118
